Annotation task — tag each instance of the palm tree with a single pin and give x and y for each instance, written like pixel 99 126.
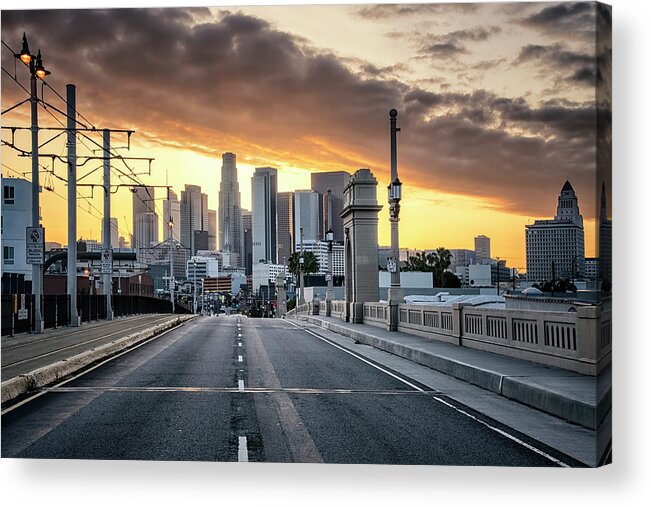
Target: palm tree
pixel 310 263
pixel 435 262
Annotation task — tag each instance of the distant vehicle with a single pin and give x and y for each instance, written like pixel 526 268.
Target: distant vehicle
pixel 222 310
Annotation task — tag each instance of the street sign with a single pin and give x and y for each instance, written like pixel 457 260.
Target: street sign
pixel 328 277
pixel 22 314
pixel 391 265
pixel 35 245
pixel 107 261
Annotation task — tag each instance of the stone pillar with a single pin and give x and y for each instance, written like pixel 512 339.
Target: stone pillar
pixel 360 220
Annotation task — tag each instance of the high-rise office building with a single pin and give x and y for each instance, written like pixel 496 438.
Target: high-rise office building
pixel 194 215
pixel 263 196
pixel 460 258
pixel 114 232
pixel 247 235
pixel 307 216
pixel 605 240
pixel 212 229
pixel 172 210
pixel 146 230
pixel 143 202
pixel 482 249
pixel 555 248
pixel 336 181
pixel 285 214
pixel 230 208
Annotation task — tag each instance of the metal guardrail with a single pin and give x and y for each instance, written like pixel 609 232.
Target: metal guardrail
pixel 56 309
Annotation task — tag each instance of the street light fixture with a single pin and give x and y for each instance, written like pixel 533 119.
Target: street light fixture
pixel 36 70
pixel 395 294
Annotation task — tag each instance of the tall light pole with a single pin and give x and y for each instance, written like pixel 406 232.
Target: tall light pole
pixel 36 70
pixel 330 275
pixel 395 296
pixel 170 224
pixel 301 262
pixel 107 273
pixel 71 94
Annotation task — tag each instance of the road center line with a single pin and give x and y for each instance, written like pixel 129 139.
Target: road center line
pixel 239 359
pixel 242 450
pixel 436 398
pixel 240 386
pixel 239 344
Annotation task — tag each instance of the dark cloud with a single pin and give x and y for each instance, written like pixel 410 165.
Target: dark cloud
pixel 579 68
pixel 442 50
pixel 451 44
pixel 234 82
pixel 572 20
pixel 383 11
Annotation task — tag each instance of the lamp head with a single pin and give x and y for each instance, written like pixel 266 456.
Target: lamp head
pixel 24 55
pixel 40 70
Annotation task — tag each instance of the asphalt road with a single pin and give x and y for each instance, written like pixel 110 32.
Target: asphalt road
pixel 237 389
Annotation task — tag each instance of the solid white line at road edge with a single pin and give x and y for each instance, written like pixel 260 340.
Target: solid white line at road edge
pixel 440 400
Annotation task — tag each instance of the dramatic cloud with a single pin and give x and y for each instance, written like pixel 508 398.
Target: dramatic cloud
pixel 187 78
pixel 558 57
pixel 383 11
pixel 571 20
pixel 452 44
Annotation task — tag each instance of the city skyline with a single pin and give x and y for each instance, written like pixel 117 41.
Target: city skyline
pixel 462 119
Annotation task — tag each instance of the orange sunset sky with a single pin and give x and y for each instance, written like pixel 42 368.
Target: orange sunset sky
pixel 496 104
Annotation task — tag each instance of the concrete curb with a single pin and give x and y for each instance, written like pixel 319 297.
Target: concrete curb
pixel 514 388
pixel 49 374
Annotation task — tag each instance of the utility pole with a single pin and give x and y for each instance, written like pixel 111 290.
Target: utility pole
pixel 107 274
pixel 171 246
pixel 498 276
pixel 75 320
pixel 194 285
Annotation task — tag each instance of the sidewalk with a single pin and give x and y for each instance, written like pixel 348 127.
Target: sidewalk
pixel 580 399
pixel 31 361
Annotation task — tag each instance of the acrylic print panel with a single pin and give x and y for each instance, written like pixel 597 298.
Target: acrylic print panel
pixel 388 243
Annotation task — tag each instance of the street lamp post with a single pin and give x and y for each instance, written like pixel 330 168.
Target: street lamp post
pixel 395 296
pixel 301 281
pixel 329 238
pixel 36 70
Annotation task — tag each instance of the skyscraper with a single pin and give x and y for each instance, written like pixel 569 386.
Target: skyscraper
pixel 482 249
pixel 285 212
pixel 307 215
pixel 247 235
pixel 212 229
pixel 172 209
pixel 230 209
pixel 194 215
pixel 143 202
pixel 146 230
pixel 555 248
pixel 114 232
pixel 336 181
pixel 264 186
pixel 605 242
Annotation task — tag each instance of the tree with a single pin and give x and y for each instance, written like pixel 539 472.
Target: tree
pixel 310 263
pixel 435 262
pixel 450 280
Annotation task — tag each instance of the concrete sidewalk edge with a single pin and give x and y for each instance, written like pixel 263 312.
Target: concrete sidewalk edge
pixel 17 386
pixel 513 388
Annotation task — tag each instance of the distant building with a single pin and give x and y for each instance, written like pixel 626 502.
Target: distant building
pixel 263 196
pixel 247 234
pixel 307 216
pixel 336 181
pixel 205 267
pixel 605 242
pixel 16 217
pixel 264 273
pixel 482 249
pixel 320 250
pixel 115 243
pixel 172 210
pixel 462 258
pixel 409 279
pixel 230 208
pixel 146 230
pixel 143 202
pixel 285 213
pixel 194 215
pixel 52 245
pixel 488 275
pixel 212 229
pixel 592 268
pixel 555 248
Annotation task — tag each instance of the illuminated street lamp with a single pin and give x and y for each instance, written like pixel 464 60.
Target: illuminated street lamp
pixel 395 295
pixel 330 237
pixel 36 70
